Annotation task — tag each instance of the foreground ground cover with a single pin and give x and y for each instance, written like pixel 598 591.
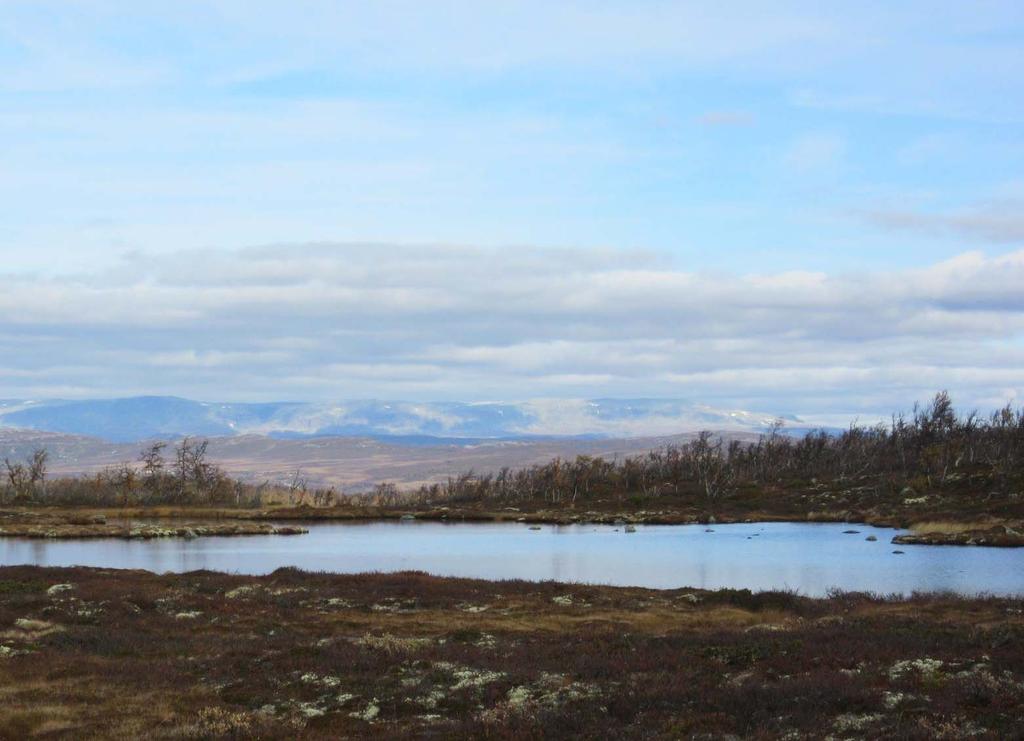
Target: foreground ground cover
pixel 100 653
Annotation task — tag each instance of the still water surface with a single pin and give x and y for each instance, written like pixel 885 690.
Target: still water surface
pixel 808 557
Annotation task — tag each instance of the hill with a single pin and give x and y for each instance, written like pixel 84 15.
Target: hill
pixel 138 418
pixel 350 463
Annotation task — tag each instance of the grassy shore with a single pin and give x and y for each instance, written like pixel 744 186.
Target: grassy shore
pixel 66 523
pixel 100 653
pixel 955 516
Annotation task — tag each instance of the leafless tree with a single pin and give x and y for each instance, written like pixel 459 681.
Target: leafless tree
pixel 715 475
pixel 37 469
pixel 26 479
pixel 297 488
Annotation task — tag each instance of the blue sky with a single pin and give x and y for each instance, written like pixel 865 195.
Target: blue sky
pixel 864 143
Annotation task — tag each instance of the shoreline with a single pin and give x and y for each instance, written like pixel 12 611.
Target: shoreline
pixel 94 522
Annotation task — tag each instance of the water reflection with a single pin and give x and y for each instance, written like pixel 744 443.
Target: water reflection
pixel 809 557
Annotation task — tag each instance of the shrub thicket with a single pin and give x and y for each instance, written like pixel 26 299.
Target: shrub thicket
pixel 929 449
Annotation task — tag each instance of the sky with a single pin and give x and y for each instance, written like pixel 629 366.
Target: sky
pixel 812 208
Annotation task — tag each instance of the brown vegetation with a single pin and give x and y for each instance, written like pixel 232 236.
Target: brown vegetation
pixel 28 523
pixel 99 653
pixel 934 465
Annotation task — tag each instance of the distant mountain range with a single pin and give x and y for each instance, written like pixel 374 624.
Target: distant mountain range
pixel 409 423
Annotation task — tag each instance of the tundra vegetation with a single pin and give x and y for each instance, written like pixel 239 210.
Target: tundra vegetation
pixel 932 465
pixel 88 653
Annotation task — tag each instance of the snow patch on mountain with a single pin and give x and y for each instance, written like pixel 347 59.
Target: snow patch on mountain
pixel 150 416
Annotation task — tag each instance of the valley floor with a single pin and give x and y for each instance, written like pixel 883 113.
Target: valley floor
pixel 100 653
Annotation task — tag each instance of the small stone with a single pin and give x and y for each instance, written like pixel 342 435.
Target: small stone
pixel 32 626
pixel 371 712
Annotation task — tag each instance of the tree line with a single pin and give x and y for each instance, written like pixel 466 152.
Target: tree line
pixel 181 475
pixel 927 449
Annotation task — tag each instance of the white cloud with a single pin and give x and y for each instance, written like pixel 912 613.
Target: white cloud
pixel 333 321
pixel 997 221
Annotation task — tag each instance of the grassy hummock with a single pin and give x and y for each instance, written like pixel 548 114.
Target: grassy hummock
pixel 93 652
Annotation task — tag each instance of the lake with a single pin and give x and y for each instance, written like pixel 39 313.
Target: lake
pixel 808 557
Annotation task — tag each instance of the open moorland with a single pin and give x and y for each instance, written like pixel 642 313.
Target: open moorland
pixel 111 653
pixel 99 653
pixel 350 464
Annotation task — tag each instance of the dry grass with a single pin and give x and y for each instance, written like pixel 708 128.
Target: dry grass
pixel 203 655
pixel 65 523
pixel 949 527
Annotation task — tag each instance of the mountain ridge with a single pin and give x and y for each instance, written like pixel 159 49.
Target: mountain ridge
pixel 144 417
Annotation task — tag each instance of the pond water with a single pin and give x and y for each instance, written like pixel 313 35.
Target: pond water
pixel 807 557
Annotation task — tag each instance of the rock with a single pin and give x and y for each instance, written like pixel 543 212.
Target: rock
pixel 892 700
pixel 517 697
pixel 871 538
pixel 898 553
pixel 312 710
pixel 58 588
pixel 850 722
pixel 534 527
pixel 926 667
pixel 371 712
pixel 32 626
pixel 407 517
pixel 850 532
pixel 288 530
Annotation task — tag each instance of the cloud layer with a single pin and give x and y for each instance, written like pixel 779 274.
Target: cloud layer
pixel 336 321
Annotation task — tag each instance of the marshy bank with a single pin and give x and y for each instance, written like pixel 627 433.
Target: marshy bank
pixel 90 652
pixel 73 525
